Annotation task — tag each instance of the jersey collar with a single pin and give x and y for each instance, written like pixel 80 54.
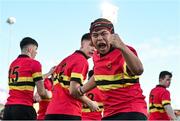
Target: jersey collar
pixel 23 56
pixel 81 52
pixel 161 86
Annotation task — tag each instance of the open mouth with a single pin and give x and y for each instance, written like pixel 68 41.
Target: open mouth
pixel 101 45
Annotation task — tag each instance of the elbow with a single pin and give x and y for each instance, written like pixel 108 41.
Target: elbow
pixel 140 71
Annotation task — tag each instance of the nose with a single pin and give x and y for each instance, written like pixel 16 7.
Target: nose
pixel 99 37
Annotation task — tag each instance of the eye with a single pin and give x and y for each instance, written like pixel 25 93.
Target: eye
pixel 94 35
pixel 104 33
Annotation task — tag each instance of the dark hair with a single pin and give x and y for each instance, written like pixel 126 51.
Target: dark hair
pixel 102 23
pixel 27 41
pixel 164 73
pixel 86 36
pixel 90 73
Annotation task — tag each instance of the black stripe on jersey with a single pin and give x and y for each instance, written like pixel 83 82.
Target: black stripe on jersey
pixel 22 84
pixel 86 107
pixel 122 81
pixel 64 82
pixel 166 104
pixel 159 108
pixel 38 79
pixel 76 80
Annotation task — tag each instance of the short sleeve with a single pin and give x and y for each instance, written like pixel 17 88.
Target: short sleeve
pixel 166 98
pixel 79 71
pixel 36 71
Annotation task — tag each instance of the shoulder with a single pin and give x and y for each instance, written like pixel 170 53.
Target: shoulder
pixel 35 62
pixel 131 48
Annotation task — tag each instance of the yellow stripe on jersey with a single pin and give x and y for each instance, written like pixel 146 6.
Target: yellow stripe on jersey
pixel 113 86
pixel 156 110
pixel 65 78
pixel 77 75
pixel 88 110
pixel 29 88
pixel 37 74
pixel 114 77
pixel 166 102
pixel 22 79
pixel 56 82
pixel 156 105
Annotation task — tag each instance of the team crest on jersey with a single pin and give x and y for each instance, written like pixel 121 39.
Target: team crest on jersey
pixel 109 65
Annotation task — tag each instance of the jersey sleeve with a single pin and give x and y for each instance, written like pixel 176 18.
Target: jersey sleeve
pixel 79 71
pixel 166 98
pixel 36 71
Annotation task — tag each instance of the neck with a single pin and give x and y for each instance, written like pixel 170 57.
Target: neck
pixel 162 85
pixel 85 54
pixel 26 53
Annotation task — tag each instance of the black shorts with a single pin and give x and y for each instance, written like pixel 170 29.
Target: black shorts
pixel 126 116
pixel 62 117
pixel 19 112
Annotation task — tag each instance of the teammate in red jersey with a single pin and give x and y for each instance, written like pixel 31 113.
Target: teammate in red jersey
pixel 69 75
pixel 43 104
pixel 94 95
pixel 159 99
pixel 116 74
pixel 24 74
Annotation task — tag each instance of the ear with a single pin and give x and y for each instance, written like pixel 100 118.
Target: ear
pixel 160 80
pixel 82 44
pixel 29 49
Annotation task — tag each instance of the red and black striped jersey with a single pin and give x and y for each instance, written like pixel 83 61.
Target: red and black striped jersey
pixel 72 68
pixel 23 73
pixel 121 89
pixel 158 98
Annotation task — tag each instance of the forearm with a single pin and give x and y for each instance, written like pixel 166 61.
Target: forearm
pixel 91 104
pixel 170 112
pixel 43 93
pixel 133 62
pixel 89 85
pixel 84 99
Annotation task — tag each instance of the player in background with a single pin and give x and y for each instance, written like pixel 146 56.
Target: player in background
pixel 24 73
pixel 94 95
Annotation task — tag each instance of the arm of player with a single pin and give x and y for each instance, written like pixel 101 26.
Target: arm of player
pixel 49 73
pixel 93 105
pixel 76 90
pixel 170 112
pixel 133 62
pixel 73 90
pixel 91 84
pixel 43 93
pixel 36 98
